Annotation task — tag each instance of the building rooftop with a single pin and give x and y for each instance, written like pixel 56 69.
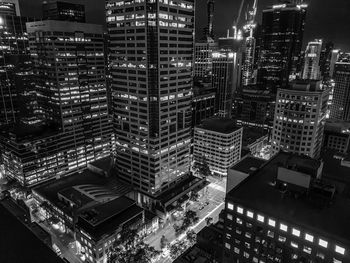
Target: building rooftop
pixel 81 189
pixel 219 125
pixel 252 134
pixel 104 164
pixel 194 255
pixel 258 192
pixel 23 132
pixel 104 219
pixel 333 162
pixel 20 241
pixel 65 26
pixel 248 164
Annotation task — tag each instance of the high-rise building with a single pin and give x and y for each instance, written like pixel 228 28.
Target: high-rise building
pixel 15 64
pixel 282 35
pixel 299 120
pixel 226 74
pixel 255 107
pixel 69 70
pixel 224 68
pixel 312 60
pixel 248 61
pixel 219 142
pixel 340 108
pixel 325 59
pixel 203 103
pixel 203 58
pixel 151 52
pixel 10 7
pixel 337 136
pixel 285 212
pixel 210 14
pixel 63 10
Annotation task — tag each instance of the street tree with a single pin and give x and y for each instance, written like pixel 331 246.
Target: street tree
pixel 130 248
pixel 191 236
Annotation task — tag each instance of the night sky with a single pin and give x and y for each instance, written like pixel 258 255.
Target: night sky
pixel 327 19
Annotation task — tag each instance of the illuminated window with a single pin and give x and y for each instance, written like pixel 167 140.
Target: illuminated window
pixel 293 244
pixel 284 227
pixel 320 255
pixel 309 237
pixel 239 210
pixel 282 239
pixel 230 206
pixel 236 250
pixel 250 214
pixel 270 234
pixel 272 222
pixel 227 245
pixel 323 243
pixel 296 232
pixel 340 250
pixel 239 221
pixel 261 218
pixel 230 217
pixel 307 249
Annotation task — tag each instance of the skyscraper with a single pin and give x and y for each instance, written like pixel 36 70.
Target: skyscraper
pixel 223 81
pixel 282 35
pixel 340 108
pixel 15 63
pixel 248 61
pixel 226 75
pixel 63 10
pixel 312 60
pixel 299 119
pixel 151 51
pixel 10 7
pixel 210 13
pixel 69 70
pixel 325 59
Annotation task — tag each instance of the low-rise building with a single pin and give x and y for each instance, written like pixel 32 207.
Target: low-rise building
pixel 96 209
pixel 219 142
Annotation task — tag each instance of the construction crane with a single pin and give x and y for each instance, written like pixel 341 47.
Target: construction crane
pixel 235 23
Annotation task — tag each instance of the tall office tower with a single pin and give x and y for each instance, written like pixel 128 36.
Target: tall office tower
pixel 10 7
pixel 226 75
pixel 203 103
pixel 62 10
pixel 151 50
pixel 210 13
pixel 340 108
pixel 285 212
pixel 203 58
pixel 312 60
pixel 15 63
pixel 69 71
pixel 248 61
pixel 223 81
pixel 299 120
pixel 255 107
pixel 248 64
pixel 325 59
pixel 282 35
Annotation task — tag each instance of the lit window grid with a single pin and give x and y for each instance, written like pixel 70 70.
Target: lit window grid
pixel 221 150
pixel 307 238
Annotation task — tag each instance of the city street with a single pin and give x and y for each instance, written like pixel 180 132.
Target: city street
pixel 65 242
pixel 210 204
